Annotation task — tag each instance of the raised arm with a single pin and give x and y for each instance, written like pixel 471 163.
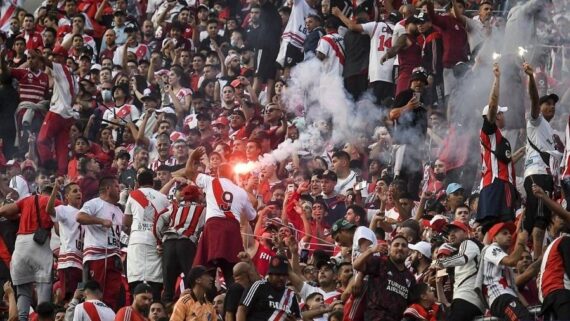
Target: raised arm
pixel 352 25
pixel 401 43
pixel 551 204
pixel 530 272
pixel 50 208
pixel 513 258
pixel 458 14
pixel 494 96
pixel 190 170
pixel 532 91
pixel 359 263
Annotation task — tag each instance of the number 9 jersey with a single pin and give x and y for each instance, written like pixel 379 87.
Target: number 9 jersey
pixel 225 199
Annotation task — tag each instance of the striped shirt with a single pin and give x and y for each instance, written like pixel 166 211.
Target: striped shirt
pixel 33 87
pixel 492 168
pixel 498 279
pixel 179 221
pixel 171 161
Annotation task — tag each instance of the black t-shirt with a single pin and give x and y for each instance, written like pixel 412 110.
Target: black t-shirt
pixel 233 297
pixel 357 53
pixel 270 27
pixel 263 302
pixel 388 291
pixel 411 127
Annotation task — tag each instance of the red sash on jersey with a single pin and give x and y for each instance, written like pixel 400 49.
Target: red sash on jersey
pixel 91 311
pixel 7 15
pixel 339 52
pixel 218 193
pixel 138 196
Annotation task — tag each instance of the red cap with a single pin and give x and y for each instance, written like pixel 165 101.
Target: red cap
pixel 190 193
pixel 235 83
pixel 459 225
pixel 499 227
pixel 60 51
pixel 221 120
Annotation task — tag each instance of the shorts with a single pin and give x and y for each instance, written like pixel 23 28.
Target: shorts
pixel 537 214
pixel 289 55
pixel 69 278
pixel 31 262
pixel 496 204
pixel 509 308
pixel 266 67
pixel 143 263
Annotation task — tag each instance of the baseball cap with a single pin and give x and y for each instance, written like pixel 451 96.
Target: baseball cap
pixel 195 273
pixel 413 19
pixel 438 223
pixel 422 17
pixel 545 98
pixel 235 83
pixel 423 247
pixel 340 225
pixel 330 264
pixel 166 110
pixel 330 175
pixel 419 73
pixel 190 193
pixel 458 224
pixel 149 94
pixel 142 288
pixel 221 121
pixel 96 67
pixel 176 136
pixel 452 188
pixel 28 164
pixel 278 265
pixel 445 250
pixel 499 227
pixel 500 109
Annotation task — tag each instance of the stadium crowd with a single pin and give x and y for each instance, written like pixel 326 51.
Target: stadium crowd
pixel 285 160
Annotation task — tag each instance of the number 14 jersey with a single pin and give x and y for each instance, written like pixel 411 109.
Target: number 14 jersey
pixel 101 242
pixel 380 35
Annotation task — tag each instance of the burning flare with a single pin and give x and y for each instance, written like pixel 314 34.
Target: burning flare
pixel 243 168
pixel 522 51
pixel 496 56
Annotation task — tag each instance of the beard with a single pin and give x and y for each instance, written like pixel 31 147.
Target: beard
pixel 440 176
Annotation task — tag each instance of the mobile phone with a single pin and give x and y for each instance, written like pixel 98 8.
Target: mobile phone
pixel 81 286
pixel 417 95
pixel 291 188
pixel 304 256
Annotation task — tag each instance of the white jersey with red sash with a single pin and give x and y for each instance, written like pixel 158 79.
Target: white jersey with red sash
pixel 332 47
pixel 7 11
pixel 93 310
pixel 224 199
pixel 143 205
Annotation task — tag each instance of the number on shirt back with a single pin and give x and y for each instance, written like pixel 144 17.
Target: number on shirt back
pixel 384 43
pixel 228 198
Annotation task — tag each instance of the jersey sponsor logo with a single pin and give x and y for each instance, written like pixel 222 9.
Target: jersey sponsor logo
pixel 398 288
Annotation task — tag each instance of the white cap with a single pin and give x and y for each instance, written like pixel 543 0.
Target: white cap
pixel 423 247
pixel 96 67
pixel 167 110
pixel 499 110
